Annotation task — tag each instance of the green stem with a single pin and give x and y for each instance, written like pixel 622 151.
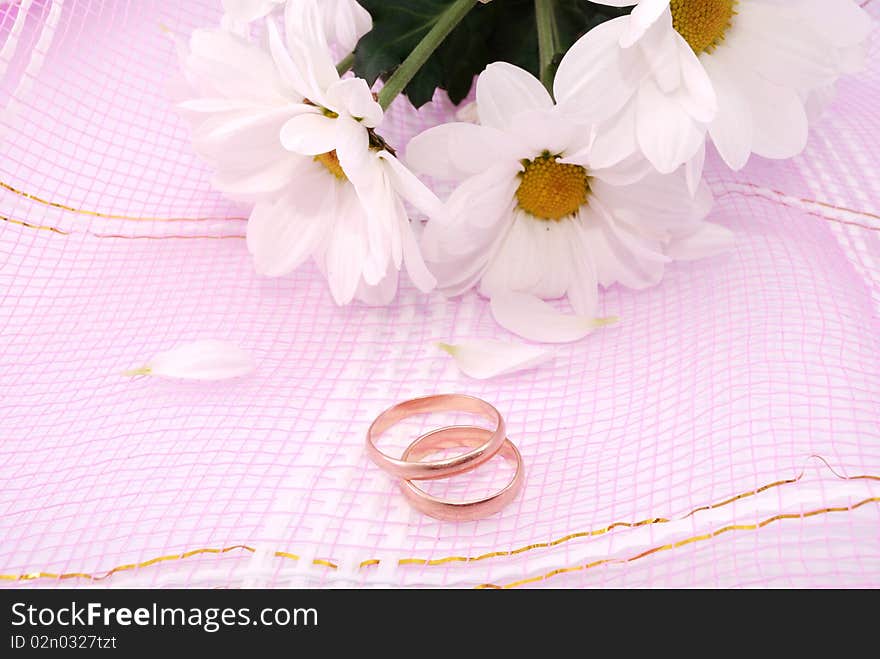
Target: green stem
pixel 548 39
pixel 445 24
pixel 345 64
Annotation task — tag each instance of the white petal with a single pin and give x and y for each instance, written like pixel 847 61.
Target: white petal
pixel 505 90
pixel 235 136
pixel 780 119
pixel 346 250
pixel 256 185
pixel 343 22
pixel 228 66
pixel 655 204
pixel 596 78
pixel 384 212
pixel 415 262
pixel 622 252
pixel 642 18
pixel 535 320
pixel 693 170
pixel 476 213
pixel 583 285
pixel 310 134
pixel 351 22
pixel 306 66
pixel 291 67
pixel 667 134
pixel 547 130
pixel 457 150
pixel 698 95
pixel 534 257
pixel 732 129
pixel 380 295
pixel 483 359
pixel 307 41
pixel 408 186
pixel 842 22
pixel 660 45
pixel 352 96
pixel 283 234
pixel 626 172
pixel 353 147
pixel 201 360
pixel 615 139
pixel 781 47
pixel 462 245
pixel 710 239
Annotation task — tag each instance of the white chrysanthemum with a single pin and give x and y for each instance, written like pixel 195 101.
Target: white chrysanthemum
pixel 285 132
pixel 344 21
pixel 770 63
pixel 534 218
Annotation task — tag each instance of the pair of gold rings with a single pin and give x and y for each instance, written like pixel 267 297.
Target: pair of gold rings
pixel 483 443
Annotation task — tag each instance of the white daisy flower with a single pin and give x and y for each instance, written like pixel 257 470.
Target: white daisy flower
pixel 534 219
pixel 770 62
pixel 285 132
pixel 344 21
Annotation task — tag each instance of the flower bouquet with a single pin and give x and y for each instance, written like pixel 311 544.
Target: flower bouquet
pixel 578 164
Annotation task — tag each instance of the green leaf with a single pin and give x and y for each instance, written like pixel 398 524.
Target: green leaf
pixel 502 30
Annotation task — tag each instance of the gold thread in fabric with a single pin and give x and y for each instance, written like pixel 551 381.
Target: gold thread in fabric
pixel 462 559
pixel 153 561
pixel 615 525
pixel 787 200
pixel 121 568
pixel 133 218
pixel 38 227
pixel 61 232
pixel 193 237
pixel 697 538
pixel 112 216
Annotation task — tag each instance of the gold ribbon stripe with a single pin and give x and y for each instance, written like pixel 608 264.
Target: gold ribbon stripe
pixel 460 559
pixel 680 543
pixel 112 216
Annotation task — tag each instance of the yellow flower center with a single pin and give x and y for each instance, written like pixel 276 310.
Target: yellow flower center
pixel 331 161
pixel 702 23
pixel 551 190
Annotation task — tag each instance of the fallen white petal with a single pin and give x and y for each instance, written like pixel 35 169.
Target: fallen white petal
pixel 709 240
pixel 533 319
pixel 201 360
pixel 485 358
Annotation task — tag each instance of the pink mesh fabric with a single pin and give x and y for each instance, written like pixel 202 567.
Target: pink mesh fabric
pixel 725 433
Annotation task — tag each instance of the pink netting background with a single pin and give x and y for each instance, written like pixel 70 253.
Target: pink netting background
pixel 725 433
